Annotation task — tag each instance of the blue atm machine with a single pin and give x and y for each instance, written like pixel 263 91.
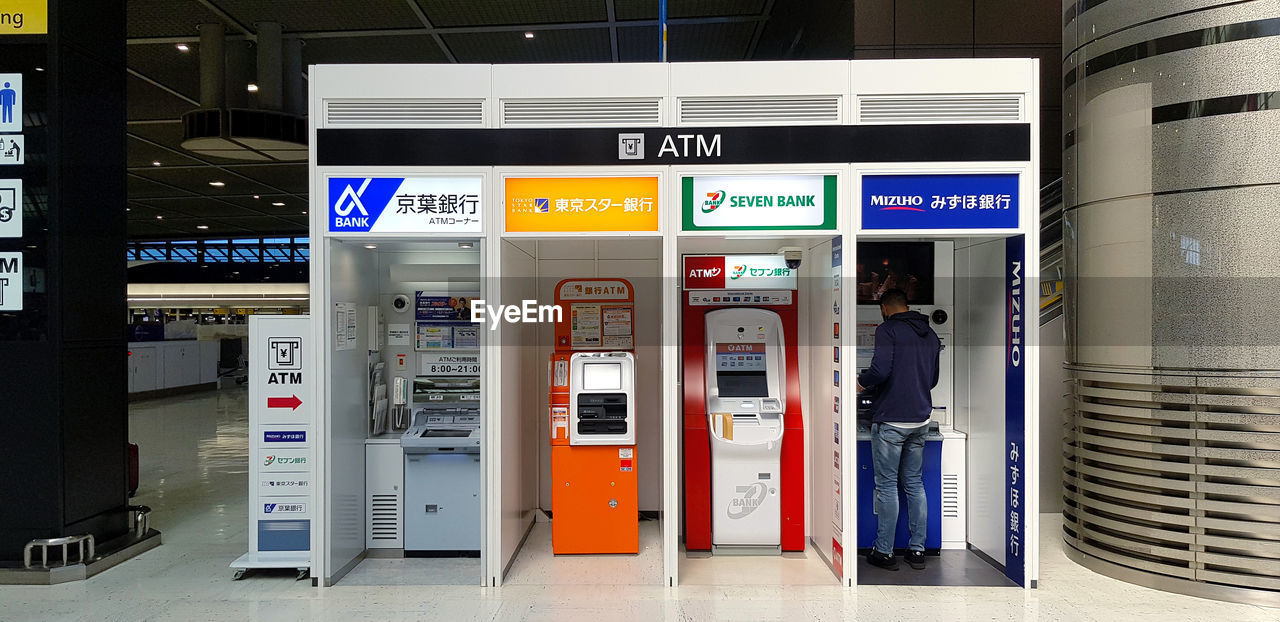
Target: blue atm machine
pixel 867 522
pixel 924 270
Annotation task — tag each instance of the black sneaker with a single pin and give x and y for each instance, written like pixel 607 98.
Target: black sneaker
pixel 880 560
pixel 915 559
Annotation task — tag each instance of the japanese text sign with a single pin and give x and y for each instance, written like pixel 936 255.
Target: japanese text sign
pixel 555 204
pixel 405 204
pixel 950 201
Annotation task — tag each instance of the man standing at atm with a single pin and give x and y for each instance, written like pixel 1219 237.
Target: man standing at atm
pixel 903 370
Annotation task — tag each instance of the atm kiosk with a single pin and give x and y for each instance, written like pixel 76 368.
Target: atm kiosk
pixel 595 502
pixel 743 432
pixel 924 271
pixel 442 469
pixel 745 404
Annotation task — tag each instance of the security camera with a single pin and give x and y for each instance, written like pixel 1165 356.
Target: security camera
pixel 400 302
pixel 792 255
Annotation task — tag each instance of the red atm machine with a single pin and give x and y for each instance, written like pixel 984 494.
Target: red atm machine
pixel 741 376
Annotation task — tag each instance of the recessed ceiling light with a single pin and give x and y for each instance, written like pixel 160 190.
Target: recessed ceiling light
pixel 277 203
pixel 528 35
pixel 465 245
pixel 31 246
pixel 304 213
pixel 39 68
pixel 182 47
pixel 159 217
pixel 253 88
pixel 202 226
pixel 256 196
pixel 155 163
pixel 217 184
pixel 128 209
pixel 371 246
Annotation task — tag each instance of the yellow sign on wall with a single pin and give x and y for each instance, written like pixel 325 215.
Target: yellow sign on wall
pixel 557 204
pixel 24 17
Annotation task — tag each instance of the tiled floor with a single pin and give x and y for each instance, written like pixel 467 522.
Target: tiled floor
pixel 194 477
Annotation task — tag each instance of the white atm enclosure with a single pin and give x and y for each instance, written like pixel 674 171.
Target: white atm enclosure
pixel 746 398
pixel 602 394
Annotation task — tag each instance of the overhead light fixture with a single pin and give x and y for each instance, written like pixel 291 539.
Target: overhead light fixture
pixel 256 196
pixel 371 246
pixel 465 245
pixel 217 184
pixel 253 88
pixel 304 213
pixel 278 203
pixel 159 217
pixel 528 35
pixel 39 68
pixel 182 47
pixel 202 226
pixel 128 209
pixel 155 163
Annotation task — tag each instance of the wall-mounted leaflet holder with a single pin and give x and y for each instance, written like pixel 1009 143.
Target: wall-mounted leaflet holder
pixel 400 401
pixel 377 399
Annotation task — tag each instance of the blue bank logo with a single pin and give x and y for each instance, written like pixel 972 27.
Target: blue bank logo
pixel 355 203
pixel 284 436
pixel 542 206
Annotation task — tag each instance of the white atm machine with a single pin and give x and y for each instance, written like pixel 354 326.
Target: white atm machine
pixel 746 399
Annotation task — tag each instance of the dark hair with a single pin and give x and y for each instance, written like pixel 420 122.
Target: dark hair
pixel 893 298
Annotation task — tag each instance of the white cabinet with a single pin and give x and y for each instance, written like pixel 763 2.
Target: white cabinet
pixel 384 487
pixel 157 365
pixel 142 368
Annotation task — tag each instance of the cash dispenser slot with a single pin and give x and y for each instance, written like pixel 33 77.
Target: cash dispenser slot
pixel 602 413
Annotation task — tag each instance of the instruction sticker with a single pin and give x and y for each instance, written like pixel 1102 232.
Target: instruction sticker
pixel 585 326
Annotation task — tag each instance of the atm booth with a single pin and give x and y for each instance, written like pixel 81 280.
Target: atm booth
pixel 600 324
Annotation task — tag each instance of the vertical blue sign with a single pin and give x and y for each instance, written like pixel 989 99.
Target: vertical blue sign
pixel 1015 412
pixel 944 201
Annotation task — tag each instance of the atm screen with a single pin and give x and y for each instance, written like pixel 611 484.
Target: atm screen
pixel 602 377
pixel 907 266
pixel 741 370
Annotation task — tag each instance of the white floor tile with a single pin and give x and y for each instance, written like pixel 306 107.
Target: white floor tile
pixel 194 476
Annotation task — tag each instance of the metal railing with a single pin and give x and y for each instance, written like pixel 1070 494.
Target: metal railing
pixel 64 542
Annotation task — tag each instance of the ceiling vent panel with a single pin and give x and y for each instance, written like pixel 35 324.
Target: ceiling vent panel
pixel 900 109
pixel 718 111
pixel 404 113
pixel 620 112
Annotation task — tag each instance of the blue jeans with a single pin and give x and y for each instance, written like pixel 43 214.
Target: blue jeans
pixel 898 457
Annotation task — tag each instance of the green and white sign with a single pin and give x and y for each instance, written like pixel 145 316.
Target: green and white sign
pixel 759 202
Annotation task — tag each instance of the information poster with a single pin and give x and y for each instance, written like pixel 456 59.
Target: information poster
pixel 466 336
pixel 398 334
pixel 433 337
pixel 586 326
pixel 616 328
pixel 344 325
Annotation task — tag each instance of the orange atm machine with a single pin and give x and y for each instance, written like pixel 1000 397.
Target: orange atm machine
pixel 594 500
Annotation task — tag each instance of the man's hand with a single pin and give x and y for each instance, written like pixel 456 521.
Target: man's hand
pixel 859 385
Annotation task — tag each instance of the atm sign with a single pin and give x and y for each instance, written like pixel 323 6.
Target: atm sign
pixel 742 271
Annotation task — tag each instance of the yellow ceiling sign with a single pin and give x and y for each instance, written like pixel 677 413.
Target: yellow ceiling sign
pixel 24 17
pixel 572 204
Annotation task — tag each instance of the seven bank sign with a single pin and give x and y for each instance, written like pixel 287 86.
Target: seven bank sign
pixel 405 204
pixel 759 202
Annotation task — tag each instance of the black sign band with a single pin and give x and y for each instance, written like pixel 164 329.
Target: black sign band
pixel 996 142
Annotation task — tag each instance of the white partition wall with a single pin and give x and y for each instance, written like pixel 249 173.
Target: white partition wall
pixel 764 121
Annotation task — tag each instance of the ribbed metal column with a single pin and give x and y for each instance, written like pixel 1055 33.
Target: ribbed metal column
pixel 1172 204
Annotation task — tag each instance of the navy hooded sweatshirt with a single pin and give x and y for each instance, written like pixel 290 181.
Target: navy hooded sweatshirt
pixel 903 370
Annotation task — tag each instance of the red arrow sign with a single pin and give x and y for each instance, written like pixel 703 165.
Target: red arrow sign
pixel 291 402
